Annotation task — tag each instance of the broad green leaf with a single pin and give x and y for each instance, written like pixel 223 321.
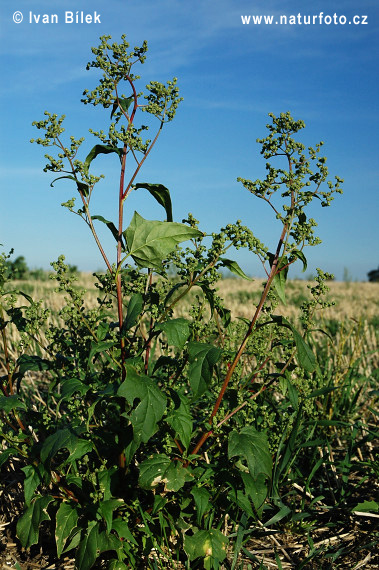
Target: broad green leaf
pixel 9 403
pixel 160 469
pixel 134 310
pixel 32 479
pixel 64 439
pixel 4 455
pixel 101 346
pixel 367 507
pixel 257 489
pixel 177 331
pixel 35 363
pixel 161 194
pixel 151 408
pixel 82 188
pixel 66 520
pixel 234 268
pixel 150 242
pixel 88 548
pixel 206 544
pixel 181 421
pixel 124 103
pixel 72 386
pixel 202 358
pixel 29 524
pixel 106 509
pixel 110 225
pixel 202 502
pixel 100 149
pixel 122 529
pixel 253 447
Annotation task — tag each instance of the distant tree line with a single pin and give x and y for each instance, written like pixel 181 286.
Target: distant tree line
pixel 18 269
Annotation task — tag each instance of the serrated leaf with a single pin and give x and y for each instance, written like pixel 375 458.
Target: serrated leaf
pixel 82 188
pixel 106 509
pixel 100 149
pixel 149 242
pixel 251 445
pixel 88 548
pixel 177 331
pixel 234 268
pixel 367 507
pixel 134 310
pixel 110 226
pixel 29 524
pixel 160 469
pixel 72 386
pixel 64 439
pixel 202 502
pixel 9 403
pixel 181 422
pixel 122 529
pixel 206 544
pixel 257 489
pixel 202 358
pixel 66 520
pixel 151 408
pixel 32 479
pixel 31 362
pixel 161 194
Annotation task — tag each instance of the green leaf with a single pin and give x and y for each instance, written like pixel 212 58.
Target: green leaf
pixel 134 310
pixel 160 469
pixel 33 478
pixel 100 149
pixel 161 194
pixel 71 386
pixel 234 268
pixel 367 507
pixel 29 524
pixel 207 544
pixel 306 358
pixel 122 529
pixel 202 502
pixel 9 403
pixel 106 509
pixel 88 548
pixel 66 521
pixel 253 447
pixel 177 331
pixel 257 489
pixel 117 565
pixel 82 188
pixel 202 358
pixel 110 226
pixel 124 103
pixel 151 408
pixel 181 421
pixel 34 363
pixel 300 255
pixel 64 438
pixel 150 242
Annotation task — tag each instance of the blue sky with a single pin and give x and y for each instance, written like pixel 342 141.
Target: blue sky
pixel 231 76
